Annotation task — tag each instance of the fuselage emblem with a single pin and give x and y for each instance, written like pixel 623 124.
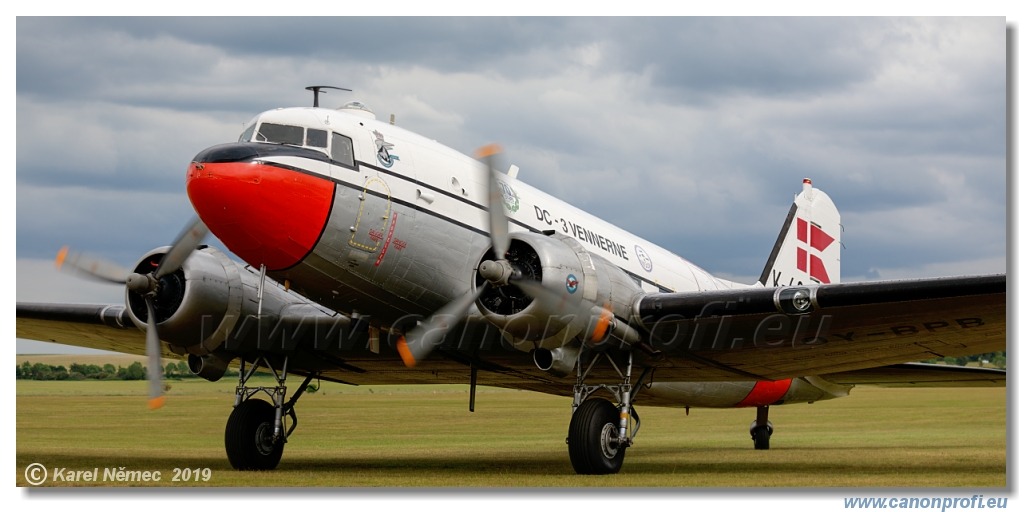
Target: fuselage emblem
pixel 509 196
pixel 384 148
pixel 571 283
pixel 644 259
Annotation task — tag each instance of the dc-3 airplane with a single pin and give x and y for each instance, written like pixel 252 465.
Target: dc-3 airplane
pixel 373 255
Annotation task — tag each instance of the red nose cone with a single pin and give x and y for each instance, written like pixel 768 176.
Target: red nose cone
pixel 265 214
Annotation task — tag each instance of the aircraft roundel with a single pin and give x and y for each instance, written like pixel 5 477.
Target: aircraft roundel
pixel 571 283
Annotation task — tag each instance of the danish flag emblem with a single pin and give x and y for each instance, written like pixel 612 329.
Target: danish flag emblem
pixel 818 240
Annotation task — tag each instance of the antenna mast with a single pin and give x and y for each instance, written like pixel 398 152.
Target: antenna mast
pixel 316 92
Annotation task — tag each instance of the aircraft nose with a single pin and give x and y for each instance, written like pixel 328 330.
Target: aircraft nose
pixel 266 214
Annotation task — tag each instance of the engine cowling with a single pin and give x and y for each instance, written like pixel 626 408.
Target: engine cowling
pixel 589 295
pixel 207 306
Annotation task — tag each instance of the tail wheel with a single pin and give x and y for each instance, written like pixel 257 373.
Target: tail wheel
pixel 761 434
pixel 249 437
pixel 593 439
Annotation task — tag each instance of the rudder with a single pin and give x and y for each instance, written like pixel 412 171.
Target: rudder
pixel 807 250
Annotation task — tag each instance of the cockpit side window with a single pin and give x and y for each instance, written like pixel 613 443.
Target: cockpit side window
pixel 247 134
pixel 316 138
pixel 341 149
pixel 280 133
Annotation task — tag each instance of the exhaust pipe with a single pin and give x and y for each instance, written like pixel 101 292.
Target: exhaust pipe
pixel 558 362
pixel 210 367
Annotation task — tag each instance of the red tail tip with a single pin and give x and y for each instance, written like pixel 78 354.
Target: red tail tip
pixel 488 150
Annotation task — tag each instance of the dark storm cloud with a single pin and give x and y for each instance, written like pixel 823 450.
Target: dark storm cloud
pixel 700 59
pixel 127 48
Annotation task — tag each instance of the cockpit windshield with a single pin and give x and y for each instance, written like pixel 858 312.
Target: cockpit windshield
pixel 280 133
pixel 336 145
pixel 247 134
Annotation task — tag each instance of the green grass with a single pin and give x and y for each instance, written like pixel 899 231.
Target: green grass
pixel 425 437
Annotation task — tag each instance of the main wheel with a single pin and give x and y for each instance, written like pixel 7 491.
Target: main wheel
pixel 593 435
pixel 249 437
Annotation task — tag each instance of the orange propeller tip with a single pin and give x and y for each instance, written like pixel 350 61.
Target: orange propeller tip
pixel 601 329
pixel 488 150
pixel 403 350
pixel 62 255
pixel 156 403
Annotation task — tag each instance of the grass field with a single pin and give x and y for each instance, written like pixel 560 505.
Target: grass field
pixel 425 437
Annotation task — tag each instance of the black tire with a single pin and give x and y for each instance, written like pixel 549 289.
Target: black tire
pixel 247 437
pixel 589 451
pixel 761 436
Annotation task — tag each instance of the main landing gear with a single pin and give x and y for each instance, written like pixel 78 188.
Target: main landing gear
pixel 600 431
pixel 761 429
pixel 255 434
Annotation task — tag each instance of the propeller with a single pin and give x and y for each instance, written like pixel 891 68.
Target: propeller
pixel 420 341
pixel 147 285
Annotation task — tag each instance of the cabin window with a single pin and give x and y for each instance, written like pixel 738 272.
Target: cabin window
pixel 316 138
pixel 341 149
pixel 280 133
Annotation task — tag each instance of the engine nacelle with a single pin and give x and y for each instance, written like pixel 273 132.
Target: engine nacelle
pixel 211 300
pixel 589 295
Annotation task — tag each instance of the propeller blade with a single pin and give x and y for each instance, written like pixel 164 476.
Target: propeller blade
pixel 425 337
pixel 155 370
pixel 90 266
pixel 495 204
pixel 182 247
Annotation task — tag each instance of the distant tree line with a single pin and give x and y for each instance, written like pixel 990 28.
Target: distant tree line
pixel 134 371
pixel 989 360
pixel 179 370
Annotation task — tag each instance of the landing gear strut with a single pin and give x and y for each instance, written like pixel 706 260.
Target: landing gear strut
pixel 761 429
pixel 255 433
pixel 600 431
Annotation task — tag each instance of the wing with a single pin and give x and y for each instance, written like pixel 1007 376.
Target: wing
pixel 856 333
pixel 778 333
pixel 103 327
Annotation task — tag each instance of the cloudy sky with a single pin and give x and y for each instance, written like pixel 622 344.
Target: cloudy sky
pixel 692 133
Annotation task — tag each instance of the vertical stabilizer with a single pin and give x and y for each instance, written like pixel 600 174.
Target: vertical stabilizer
pixel 807 251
